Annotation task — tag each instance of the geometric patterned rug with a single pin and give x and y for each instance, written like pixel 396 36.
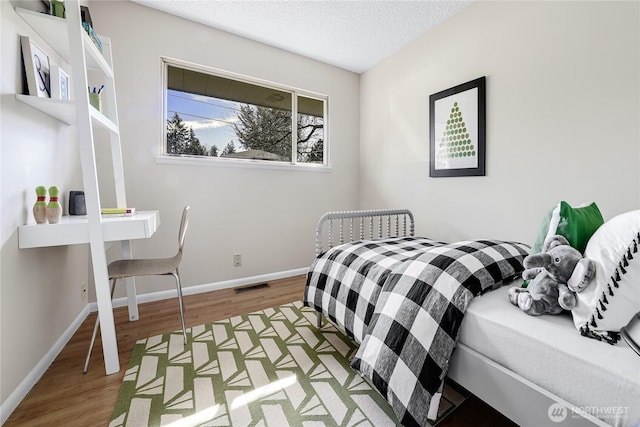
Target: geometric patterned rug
pixel 268 368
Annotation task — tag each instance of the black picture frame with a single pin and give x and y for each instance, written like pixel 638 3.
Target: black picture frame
pixel 457 128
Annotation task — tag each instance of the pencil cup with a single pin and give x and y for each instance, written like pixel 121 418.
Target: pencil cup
pixel 95 101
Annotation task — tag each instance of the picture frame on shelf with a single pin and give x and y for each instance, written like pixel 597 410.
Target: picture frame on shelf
pixel 60 84
pixel 85 15
pixel 37 68
pixel 457 127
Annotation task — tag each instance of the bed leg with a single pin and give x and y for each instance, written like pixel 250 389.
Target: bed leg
pixel 319 321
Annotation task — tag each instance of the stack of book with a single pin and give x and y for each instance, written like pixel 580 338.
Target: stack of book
pixel 110 212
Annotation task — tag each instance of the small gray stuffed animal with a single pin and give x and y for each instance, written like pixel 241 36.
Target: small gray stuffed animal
pixel 556 274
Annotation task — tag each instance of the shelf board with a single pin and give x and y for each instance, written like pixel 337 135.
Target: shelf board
pixel 65 111
pixel 54 31
pixel 73 230
pixel 102 120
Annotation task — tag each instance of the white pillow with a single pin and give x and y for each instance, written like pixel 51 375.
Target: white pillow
pixel 613 297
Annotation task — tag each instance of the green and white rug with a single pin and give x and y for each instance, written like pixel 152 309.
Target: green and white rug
pixel 268 368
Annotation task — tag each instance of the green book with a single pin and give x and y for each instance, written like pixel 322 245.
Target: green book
pixel 118 211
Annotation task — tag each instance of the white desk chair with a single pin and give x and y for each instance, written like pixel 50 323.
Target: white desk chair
pixel 147 267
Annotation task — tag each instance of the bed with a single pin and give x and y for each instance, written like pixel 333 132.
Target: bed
pixel 369 278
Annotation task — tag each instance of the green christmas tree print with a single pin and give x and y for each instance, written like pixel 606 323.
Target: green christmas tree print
pixel 455 142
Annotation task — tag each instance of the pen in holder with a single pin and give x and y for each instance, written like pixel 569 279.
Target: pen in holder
pixel 95 100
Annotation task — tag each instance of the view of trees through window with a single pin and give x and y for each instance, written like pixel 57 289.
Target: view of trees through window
pixel 209 115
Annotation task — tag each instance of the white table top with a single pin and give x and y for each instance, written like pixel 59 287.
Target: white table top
pixel 73 230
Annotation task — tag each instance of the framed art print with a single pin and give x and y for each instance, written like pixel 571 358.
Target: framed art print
pixel 457 130
pixel 37 68
pixel 59 83
pixel 63 80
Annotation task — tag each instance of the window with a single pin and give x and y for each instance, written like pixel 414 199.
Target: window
pixel 211 114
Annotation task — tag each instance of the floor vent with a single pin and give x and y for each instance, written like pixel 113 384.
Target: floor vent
pixel 251 288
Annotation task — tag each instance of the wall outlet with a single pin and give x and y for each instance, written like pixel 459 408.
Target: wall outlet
pixel 83 290
pixel 237 260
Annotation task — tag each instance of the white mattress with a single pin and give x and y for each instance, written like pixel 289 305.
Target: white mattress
pixel 602 379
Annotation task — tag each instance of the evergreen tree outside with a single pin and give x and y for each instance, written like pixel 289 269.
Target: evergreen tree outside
pixel 229 149
pixel 193 145
pixel 183 140
pixel 177 135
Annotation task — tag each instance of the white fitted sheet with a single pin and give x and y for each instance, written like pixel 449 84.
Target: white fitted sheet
pixel 548 350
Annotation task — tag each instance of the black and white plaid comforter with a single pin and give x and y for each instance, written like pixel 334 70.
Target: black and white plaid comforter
pixel 417 311
pixel 345 282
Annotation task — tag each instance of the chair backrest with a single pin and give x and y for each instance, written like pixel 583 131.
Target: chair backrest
pixel 184 223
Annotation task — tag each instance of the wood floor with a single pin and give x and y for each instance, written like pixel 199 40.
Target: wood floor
pixel 65 396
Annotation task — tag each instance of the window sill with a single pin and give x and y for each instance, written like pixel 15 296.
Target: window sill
pixel 237 163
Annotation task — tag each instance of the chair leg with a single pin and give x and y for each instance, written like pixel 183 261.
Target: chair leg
pixel 95 332
pixel 93 339
pixel 179 289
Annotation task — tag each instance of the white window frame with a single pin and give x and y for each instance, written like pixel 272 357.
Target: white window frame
pixel 193 160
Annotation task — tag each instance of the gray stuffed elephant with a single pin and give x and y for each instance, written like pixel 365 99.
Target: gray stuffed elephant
pixel 555 275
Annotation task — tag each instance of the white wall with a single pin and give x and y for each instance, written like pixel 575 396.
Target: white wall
pixel 39 288
pixel 268 216
pixel 562 117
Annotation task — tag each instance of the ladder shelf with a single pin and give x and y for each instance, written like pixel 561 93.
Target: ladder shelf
pixel 69 39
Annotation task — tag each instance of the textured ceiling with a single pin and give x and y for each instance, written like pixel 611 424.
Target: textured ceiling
pixel 353 35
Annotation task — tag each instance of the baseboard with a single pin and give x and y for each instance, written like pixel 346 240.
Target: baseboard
pixel 11 403
pixel 207 287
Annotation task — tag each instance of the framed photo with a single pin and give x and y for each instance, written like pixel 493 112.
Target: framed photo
pixel 457 126
pixel 37 68
pixel 60 83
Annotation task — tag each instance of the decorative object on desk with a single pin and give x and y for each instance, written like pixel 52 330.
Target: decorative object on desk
pixel 77 204
pixel 54 210
pixel 40 207
pixel 118 211
pixel 57 9
pixel 59 83
pixel 457 130
pixel 36 67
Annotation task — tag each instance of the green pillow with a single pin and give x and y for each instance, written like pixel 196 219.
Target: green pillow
pixel 576 224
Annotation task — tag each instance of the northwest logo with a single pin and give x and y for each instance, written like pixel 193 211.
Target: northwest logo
pixel 557 413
